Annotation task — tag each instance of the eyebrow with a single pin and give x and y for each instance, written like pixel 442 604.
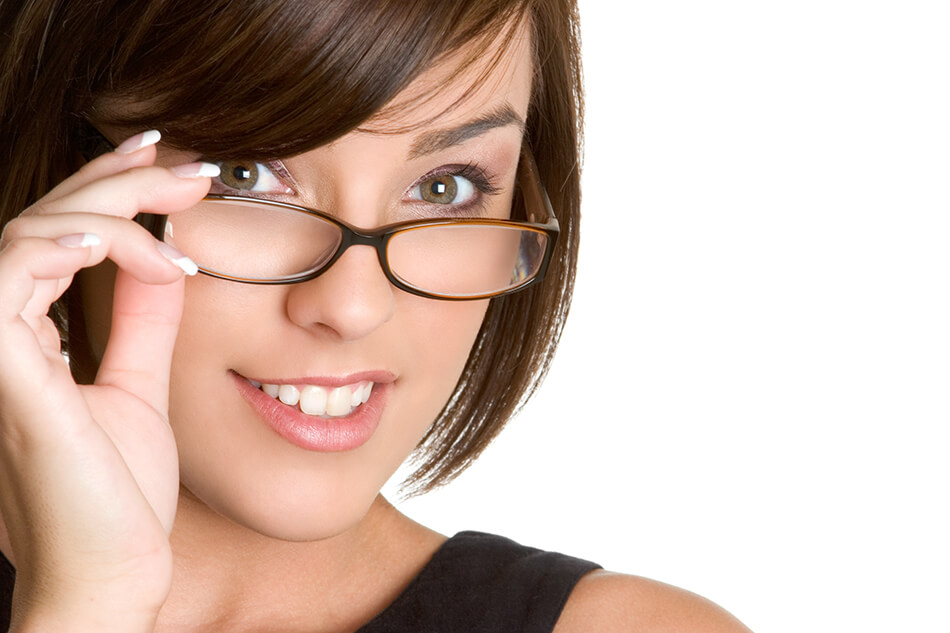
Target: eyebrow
pixel 432 142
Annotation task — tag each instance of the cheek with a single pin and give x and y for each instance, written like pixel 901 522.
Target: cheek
pixel 444 333
pixel 434 339
pixel 222 318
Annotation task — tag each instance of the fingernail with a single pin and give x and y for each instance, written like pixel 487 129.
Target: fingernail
pixel 178 258
pixel 197 170
pixel 139 141
pixel 79 240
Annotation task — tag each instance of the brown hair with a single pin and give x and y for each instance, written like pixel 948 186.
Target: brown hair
pixel 267 79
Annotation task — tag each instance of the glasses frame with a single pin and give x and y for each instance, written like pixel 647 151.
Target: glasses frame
pixel 537 208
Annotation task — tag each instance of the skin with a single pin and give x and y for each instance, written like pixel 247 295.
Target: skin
pixel 299 535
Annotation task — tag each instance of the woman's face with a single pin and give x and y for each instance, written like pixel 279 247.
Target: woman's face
pixel 266 464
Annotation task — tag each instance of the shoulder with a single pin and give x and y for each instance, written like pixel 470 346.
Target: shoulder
pixel 605 602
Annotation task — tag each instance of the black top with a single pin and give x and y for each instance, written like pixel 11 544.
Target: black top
pixel 482 583
pixel 475 583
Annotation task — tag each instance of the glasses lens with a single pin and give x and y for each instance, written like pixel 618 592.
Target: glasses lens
pixel 247 240
pixel 466 260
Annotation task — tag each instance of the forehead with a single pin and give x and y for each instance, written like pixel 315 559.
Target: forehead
pixel 472 81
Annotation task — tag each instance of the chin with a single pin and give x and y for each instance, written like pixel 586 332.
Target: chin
pixel 307 511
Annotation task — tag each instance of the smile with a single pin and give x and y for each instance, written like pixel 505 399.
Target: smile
pixel 332 402
pixel 326 415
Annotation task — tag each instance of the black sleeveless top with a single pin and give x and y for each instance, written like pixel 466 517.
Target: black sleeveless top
pixel 475 583
pixel 482 583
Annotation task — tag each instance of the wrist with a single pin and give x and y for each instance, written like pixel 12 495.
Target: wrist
pixel 87 621
pixel 101 608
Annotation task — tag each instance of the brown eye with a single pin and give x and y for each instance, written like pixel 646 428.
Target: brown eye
pixel 239 175
pixel 439 190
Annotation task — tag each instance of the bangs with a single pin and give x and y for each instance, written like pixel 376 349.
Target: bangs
pixel 269 79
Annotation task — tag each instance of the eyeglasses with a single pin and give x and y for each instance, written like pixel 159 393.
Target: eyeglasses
pixel 256 241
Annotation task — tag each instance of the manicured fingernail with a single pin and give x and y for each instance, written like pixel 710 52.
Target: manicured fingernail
pixel 79 240
pixel 178 258
pixel 197 170
pixel 139 141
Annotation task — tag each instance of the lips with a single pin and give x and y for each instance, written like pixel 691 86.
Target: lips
pixel 325 415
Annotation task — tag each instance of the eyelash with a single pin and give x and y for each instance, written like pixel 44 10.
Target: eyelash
pixel 483 181
pixel 276 168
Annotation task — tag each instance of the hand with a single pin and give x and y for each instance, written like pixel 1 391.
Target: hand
pixel 89 474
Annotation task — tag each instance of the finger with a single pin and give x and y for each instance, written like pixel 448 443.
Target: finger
pixel 137 151
pixel 25 268
pixel 27 261
pixel 145 322
pixel 126 243
pixel 140 189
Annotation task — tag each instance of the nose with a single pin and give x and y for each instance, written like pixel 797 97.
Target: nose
pixel 352 299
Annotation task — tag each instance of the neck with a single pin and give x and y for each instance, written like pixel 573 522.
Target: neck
pixel 230 578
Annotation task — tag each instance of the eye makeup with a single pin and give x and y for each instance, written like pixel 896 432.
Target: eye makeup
pixel 252 179
pixel 470 187
pixel 482 184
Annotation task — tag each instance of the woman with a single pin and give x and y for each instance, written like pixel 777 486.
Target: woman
pixel 219 467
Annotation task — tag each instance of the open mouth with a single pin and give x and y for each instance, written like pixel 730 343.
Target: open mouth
pixel 317 400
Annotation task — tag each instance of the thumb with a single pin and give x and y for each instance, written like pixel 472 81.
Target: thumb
pixel 145 320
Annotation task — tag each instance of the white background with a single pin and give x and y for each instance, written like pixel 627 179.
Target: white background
pixel 751 396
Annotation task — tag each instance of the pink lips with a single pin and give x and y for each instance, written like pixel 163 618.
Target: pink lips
pixel 316 433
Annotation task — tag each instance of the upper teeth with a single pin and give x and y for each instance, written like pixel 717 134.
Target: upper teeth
pixel 317 400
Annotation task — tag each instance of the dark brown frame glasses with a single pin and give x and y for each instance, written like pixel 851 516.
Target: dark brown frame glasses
pixel 539 218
